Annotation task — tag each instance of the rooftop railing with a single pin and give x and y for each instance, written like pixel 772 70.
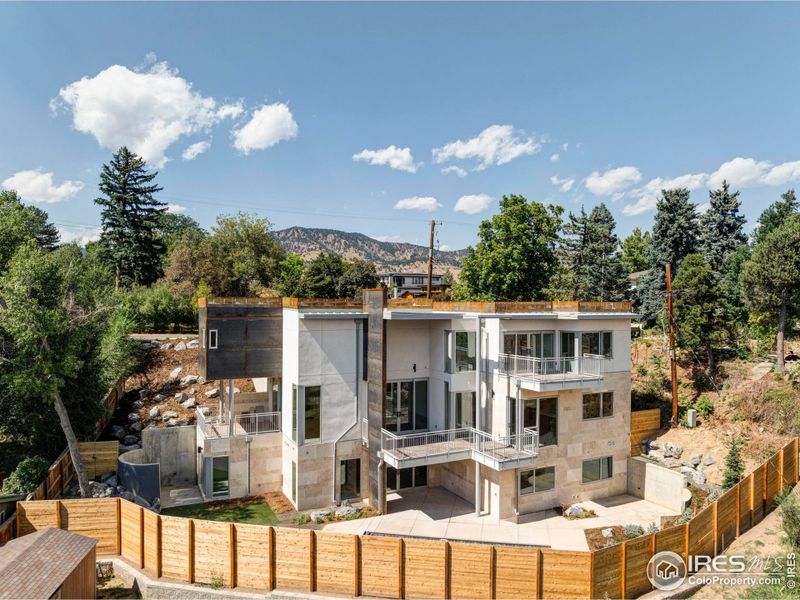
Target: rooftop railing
pixel 531 368
pixel 214 426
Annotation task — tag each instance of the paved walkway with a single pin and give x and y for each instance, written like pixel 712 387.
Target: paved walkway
pixel 437 513
pixel 180 496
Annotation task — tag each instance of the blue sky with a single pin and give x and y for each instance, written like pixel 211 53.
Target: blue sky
pixel 277 99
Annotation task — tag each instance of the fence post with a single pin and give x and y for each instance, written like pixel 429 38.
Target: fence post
pixel 357 566
pixel 780 470
pixel 141 537
pixel 190 550
pixel 233 554
pixel 492 572
pixel 447 570
pixel 119 526
pixel 402 569
pixel 714 527
pixel 591 574
pixel 539 572
pixel 623 567
pixel 158 546
pixel 58 510
pixel 272 564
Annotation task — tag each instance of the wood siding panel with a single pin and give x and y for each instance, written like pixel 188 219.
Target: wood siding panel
pixel 470 570
pixel 637 555
pixel 425 569
pixel 252 556
pixel 516 572
pixel 606 572
pixel 131 531
pixel 293 559
pixel 35 515
pixel 81 583
pixel 644 424
pixel 566 574
pixel 381 571
pixel 336 563
pixel 151 545
pixel 93 518
pixel 212 552
pixel 174 548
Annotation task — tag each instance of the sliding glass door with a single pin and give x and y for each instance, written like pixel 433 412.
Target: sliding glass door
pixel 406 406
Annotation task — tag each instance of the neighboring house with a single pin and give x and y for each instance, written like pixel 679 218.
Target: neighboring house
pixel 517 407
pixel 412 285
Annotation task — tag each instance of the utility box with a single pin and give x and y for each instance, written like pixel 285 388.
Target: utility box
pixel 240 338
pixel 691 418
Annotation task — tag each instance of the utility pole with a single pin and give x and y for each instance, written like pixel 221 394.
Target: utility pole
pixel 430 259
pixel 673 366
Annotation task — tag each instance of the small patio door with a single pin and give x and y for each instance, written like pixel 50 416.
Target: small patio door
pixel 569 351
pixel 406 406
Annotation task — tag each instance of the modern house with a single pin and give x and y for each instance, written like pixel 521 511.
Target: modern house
pixel 412 285
pixel 516 407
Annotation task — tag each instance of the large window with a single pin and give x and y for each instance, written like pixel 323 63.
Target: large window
pixel 465 351
pixel 294 412
pixel 541 344
pixel 537 480
pixel 597 469
pixel 465 409
pixel 406 405
pixel 598 405
pixel 597 342
pixel 311 422
pixel 542 413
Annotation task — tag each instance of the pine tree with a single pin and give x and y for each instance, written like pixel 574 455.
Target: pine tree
pixel 675 235
pixel 722 227
pixel 775 215
pixel 592 265
pixel 131 219
pixel 734 465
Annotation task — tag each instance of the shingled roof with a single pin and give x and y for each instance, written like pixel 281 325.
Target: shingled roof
pixel 35 565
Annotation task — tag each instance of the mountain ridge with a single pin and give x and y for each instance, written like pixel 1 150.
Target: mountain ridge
pixel 309 242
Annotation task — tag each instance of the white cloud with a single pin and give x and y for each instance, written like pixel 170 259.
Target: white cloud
pixel 649 193
pixel 195 150
pixel 456 170
pixel 147 110
pixel 564 185
pixel 269 124
pixel 564 147
pixel 495 145
pixel 230 111
pixel 612 181
pixel 473 203
pixel 174 209
pixel 424 203
pixel 784 173
pixel 555 157
pixel 399 159
pixel 80 234
pixel 34 185
pixel 740 172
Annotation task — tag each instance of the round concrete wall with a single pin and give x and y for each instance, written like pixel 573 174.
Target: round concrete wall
pixel 137 476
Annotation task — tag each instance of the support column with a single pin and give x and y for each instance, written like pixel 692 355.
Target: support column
pixel 519 416
pixel 230 407
pixel 220 414
pixel 477 488
pixel 478 397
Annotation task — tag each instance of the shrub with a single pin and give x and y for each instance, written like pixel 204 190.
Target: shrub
pixel 652 528
pixel 704 407
pixel 26 476
pixel 734 465
pixel 632 531
pixel 790 520
pixel 157 309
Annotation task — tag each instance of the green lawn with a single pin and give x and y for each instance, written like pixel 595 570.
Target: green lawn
pixel 258 513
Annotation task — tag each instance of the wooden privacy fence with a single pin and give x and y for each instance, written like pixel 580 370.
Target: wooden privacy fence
pixel 98 458
pixel 644 424
pixel 267 558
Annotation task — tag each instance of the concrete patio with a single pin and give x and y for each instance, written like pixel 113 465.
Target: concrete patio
pixel 180 495
pixel 437 513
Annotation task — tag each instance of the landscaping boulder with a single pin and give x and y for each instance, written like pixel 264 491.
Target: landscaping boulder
pixel 696 459
pixel 190 403
pixel 166 346
pixel 133 417
pixel 607 533
pixel 180 346
pixel 159 398
pixel 181 397
pixel 212 393
pixel 205 410
pixel 137 404
pixel 126 495
pixel 201 380
pixel 143 394
pixel 346 511
pixel 709 460
pixel 130 439
pixel 117 432
pixel 123 449
pixel 172 422
pixel 182 422
pixel 189 379
pixel 136 427
pixel 169 414
pixel 109 478
pixel 154 412
pixel 575 511
pixel 141 502
pixel 318 515
pixel 175 373
pixel 192 344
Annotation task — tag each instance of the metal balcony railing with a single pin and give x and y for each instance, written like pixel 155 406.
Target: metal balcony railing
pixel 457 444
pixel 215 426
pixel 532 368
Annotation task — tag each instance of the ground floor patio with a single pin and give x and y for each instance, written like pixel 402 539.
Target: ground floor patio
pixel 437 513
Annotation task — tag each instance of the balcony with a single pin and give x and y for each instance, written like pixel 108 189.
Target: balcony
pixel 548 374
pixel 214 427
pixel 436 447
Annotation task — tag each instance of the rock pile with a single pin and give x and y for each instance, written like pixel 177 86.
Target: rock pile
pixel 107 486
pixel 668 454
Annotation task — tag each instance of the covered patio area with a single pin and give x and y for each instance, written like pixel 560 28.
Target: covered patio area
pixel 439 514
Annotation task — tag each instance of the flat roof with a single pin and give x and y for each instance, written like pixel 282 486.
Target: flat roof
pixel 35 565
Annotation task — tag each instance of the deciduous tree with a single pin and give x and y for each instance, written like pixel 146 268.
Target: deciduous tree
pixel 20 224
pixel 635 248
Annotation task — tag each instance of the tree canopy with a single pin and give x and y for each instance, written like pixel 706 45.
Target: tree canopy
pixel 19 224
pixel 515 258
pixel 721 227
pixel 775 215
pixel 635 248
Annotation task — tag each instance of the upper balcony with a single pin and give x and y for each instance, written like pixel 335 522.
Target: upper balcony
pixel 214 427
pixel 436 447
pixel 549 374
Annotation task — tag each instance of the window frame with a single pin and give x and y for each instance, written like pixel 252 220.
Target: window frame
pixel 602 350
pixel 609 462
pixel 533 480
pixel 318 438
pixel 215 345
pixel 601 397
pixel 538 400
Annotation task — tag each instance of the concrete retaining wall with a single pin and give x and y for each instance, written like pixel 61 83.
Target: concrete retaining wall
pixel 175 449
pixel 138 476
pixel 657 484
